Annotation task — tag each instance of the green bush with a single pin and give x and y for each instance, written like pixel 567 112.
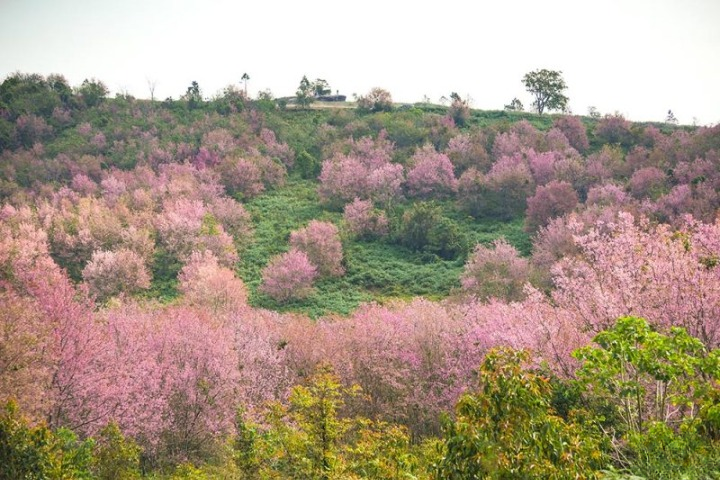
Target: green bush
pixel 423 228
pixel 36 452
pixel 307 165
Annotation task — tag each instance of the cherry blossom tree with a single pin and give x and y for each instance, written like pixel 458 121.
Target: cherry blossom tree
pixel 241 176
pixel 175 378
pixel 614 129
pixel 411 359
pixel 320 241
pixel 629 268
pixel 648 182
pixel 203 282
pixel 24 368
pixel 552 200
pixel 521 135
pixel 288 276
pixel 186 225
pixel 574 130
pixel 376 100
pixel 344 178
pixel 502 193
pixel 431 175
pixel 468 150
pixel 275 149
pixel 110 273
pixel 497 272
pixel 363 220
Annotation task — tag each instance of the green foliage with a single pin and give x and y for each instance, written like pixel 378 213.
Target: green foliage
pixel 320 87
pixel 22 93
pixel 424 228
pixel 115 456
pixel 188 471
pixel 547 87
pixel 245 447
pixel 7 131
pixel 647 376
pixel 299 128
pixel 265 102
pixel 193 96
pixel 515 106
pixel 383 451
pixel 232 100
pixel 385 270
pixel 304 94
pixel 36 452
pixel 375 269
pixel 404 129
pixel 507 429
pixel 303 440
pixel 663 452
pixel 663 389
pixel 165 268
pixel 92 92
pixel 310 438
pixel 307 165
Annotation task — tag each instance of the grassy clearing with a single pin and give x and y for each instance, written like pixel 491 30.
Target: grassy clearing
pixel 377 270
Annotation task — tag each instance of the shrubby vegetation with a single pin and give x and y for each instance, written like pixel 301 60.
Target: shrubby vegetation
pixel 226 288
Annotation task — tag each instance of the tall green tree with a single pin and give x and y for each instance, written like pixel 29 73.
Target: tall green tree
pixel 245 77
pixel 321 87
pixel 305 93
pixel 193 95
pixel 547 87
pixel 92 92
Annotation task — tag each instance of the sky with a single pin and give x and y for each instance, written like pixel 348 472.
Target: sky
pixel 639 58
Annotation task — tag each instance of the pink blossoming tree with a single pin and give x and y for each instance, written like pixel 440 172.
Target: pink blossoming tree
pixel 288 276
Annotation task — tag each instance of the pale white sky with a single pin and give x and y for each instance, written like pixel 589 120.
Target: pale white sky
pixel 638 57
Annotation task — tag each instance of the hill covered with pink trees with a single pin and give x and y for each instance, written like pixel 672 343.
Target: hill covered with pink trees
pixel 232 289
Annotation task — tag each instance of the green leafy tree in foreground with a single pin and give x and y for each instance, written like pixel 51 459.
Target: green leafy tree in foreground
pixel 661 390
pixel 36 452
pixel 507 429
pixel 547 87
pixel 116 456
pixel 648 376
pixel 312 438
pixel 304 438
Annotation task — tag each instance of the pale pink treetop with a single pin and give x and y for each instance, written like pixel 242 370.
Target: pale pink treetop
pixel 288 276
pixel 431 174
pixel 109 273
pixel 321 242
pixel 496 272
pixel 362 219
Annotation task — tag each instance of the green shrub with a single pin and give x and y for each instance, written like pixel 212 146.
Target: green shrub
pixel 36 452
